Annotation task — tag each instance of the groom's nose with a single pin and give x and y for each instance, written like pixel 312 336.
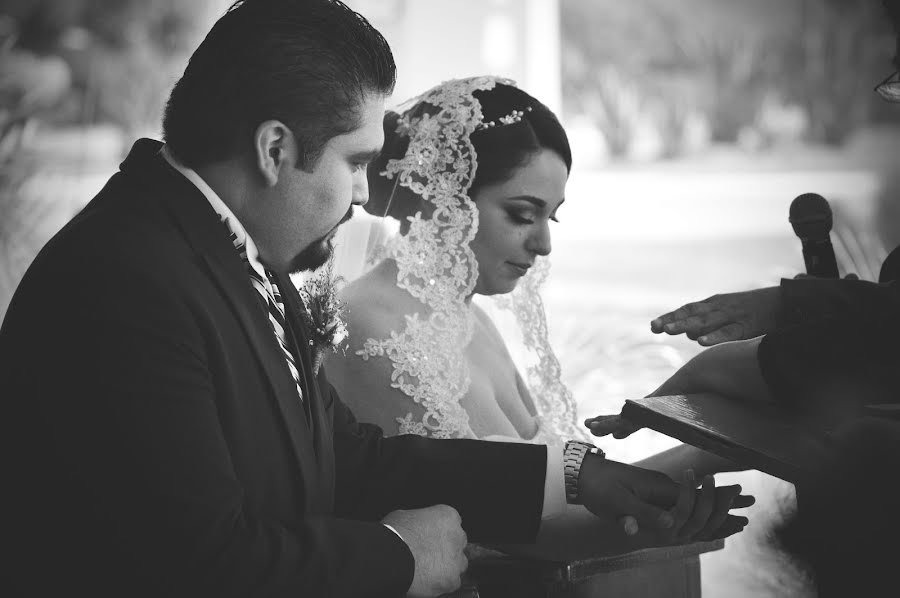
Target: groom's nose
pixel 360 191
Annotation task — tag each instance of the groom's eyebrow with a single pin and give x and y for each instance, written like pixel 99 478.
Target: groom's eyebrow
pixel 368 156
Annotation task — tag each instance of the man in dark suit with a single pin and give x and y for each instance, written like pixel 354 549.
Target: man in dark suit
pixel 163 431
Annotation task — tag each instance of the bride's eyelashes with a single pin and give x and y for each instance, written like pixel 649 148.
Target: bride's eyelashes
pixel 520 217
pixel 524 218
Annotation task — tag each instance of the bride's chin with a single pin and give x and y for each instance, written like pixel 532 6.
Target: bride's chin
pixel 499 288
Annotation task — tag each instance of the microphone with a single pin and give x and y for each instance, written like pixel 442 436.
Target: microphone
pixel 810 217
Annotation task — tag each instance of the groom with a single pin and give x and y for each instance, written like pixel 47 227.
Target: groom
pixel 163 433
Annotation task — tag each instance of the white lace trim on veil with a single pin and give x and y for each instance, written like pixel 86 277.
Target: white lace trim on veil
pixel 436 266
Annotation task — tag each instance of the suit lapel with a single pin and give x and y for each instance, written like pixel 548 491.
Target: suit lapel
pixel 201 227
pixel 293 310
pixel 246 305
pixel 318 417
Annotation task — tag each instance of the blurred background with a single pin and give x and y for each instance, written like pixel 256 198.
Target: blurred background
pixel 694 124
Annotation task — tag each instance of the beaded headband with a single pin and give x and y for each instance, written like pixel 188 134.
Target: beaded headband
pixel 510 119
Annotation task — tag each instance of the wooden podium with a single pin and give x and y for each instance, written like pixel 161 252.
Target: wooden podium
pixel 668 572
pixel 755 435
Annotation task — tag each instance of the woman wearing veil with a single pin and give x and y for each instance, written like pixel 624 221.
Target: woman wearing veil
pixel 472 173
pixel 423 357
pixel 471 176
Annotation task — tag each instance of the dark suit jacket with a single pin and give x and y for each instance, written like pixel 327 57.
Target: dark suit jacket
pixel 838 345
pixel 153 443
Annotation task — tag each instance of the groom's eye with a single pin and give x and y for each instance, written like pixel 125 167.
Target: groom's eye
pixel 360 161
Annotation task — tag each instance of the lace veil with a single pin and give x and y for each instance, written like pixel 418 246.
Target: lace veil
pixel 436 265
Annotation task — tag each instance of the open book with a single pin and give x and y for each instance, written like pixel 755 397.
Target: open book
pixel 756 435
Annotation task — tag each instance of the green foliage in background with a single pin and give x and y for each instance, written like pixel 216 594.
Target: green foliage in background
pixel 729 60
pixel 122 55
pixel 68 69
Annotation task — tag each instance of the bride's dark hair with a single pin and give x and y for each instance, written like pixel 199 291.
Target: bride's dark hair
pixel 500 149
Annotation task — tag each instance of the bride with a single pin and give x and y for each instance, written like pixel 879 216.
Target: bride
pixel 424 358
pixel 473 176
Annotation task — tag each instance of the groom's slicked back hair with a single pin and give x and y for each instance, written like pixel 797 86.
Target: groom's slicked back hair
pixel 306 63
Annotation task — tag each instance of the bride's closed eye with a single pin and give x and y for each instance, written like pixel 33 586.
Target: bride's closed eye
pixel 526 217
pixel 521 216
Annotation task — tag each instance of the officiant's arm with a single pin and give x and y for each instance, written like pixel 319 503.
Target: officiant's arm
pixel 805 367
pixel 731 370
pixel 837 362
pixel 798 301
pixel 674 461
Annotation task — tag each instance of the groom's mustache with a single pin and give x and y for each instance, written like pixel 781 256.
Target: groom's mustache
pixel 347 216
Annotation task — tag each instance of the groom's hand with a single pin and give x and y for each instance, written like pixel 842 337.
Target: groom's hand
pixel 436 539
pixel 679 512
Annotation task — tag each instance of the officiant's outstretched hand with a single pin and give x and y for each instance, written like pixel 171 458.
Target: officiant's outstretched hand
pixel 724 317
pixel 748 314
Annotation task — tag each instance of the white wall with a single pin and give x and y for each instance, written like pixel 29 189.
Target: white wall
pixel 435 40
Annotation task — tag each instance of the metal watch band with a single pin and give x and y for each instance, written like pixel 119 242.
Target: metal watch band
pixel 573 455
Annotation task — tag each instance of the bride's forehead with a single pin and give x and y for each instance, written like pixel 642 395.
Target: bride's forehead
pixel 543 176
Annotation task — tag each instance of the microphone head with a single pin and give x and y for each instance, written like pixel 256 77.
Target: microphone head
pixel 810 217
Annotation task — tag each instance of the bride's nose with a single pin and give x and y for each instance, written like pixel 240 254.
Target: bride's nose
pixel 539 241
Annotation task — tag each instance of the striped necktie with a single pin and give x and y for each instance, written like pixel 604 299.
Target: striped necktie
pixel 271 297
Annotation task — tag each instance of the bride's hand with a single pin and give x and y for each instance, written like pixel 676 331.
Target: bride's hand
pixel 702 515
pixel 697 520
pixel 676 512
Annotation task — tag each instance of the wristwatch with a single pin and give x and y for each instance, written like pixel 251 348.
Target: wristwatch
pixel 573 455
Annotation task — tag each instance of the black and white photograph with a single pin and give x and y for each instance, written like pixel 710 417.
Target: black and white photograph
pixel 449 298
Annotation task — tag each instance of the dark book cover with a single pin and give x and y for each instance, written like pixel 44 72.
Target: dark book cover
pixel 759 436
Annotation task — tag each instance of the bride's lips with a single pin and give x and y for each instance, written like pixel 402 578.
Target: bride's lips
pixel 520 269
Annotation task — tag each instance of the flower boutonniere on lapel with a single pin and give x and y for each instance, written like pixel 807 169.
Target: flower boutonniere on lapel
pixel 322 314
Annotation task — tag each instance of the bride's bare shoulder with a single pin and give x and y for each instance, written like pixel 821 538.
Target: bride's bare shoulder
pixel 487 331
pixel 376 305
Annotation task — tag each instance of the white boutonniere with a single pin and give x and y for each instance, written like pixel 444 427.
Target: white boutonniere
pixel 323 314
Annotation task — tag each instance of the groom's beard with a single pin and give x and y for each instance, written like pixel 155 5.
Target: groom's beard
pixel 318 253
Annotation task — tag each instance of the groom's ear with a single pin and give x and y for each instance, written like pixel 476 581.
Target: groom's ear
pixel 274 149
